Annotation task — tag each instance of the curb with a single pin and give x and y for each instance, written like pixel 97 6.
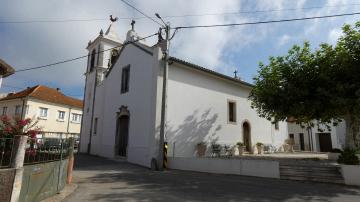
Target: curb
pixel 68 189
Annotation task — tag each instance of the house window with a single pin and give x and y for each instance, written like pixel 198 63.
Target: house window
pixel 43 112
pixel 4 111
pixel 17 109
pixel 232 112
pixel 76 118
pixel 61 115
pixel 95 125
pixel 125 78
pixel 276 124
pixel 92 60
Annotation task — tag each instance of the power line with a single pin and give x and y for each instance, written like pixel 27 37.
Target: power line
pixel 172 16
pixel 258 11
pixel 266 22
pixel 84 56
pixel 144 14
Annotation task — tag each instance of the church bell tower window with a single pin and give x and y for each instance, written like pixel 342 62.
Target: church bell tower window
pixel 92 60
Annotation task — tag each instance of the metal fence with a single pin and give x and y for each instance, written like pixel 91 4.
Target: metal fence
pixel 42 150
pixel 45 147
pixel 6 149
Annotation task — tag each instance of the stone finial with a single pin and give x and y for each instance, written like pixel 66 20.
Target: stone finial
pixel 235 74
pixel 101 32
pixel 132 25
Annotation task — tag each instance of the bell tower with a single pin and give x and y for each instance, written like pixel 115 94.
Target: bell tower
pixel 101 51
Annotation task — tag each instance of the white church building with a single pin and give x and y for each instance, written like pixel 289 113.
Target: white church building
pixel 122 104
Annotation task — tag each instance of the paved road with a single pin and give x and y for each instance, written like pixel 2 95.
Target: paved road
pixel 104 180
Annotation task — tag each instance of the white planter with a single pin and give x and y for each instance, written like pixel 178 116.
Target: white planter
pixel 333 156
pixel 351 174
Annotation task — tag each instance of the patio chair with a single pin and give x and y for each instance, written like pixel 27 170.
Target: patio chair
pixel 269 148
pixel 215 150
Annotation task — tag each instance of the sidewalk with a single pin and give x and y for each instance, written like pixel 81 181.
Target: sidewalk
pixel 68 189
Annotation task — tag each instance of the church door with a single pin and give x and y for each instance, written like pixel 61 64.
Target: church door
pixel 123 135
pixel 247 136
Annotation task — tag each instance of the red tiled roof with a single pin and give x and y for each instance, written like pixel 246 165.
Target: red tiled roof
pixel 46 94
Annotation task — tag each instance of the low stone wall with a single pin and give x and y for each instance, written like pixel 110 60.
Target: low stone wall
pixel 6 183
pixel 258 168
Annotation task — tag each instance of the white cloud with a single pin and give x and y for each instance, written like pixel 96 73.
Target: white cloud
pixel 334 35
pixel 28 45
pixel 283 40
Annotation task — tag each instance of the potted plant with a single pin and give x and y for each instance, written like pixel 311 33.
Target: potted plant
pixel 201 149
pixel 259 147
pixel 334 154
pixel 240 147
pixel 289 145
pixel 350 167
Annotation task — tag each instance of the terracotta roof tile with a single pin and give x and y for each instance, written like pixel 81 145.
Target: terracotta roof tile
pixel 46 94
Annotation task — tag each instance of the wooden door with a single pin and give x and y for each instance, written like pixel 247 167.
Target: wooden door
pixel 247 136
pixel 325 142
pixel 123 135
pixel 302 142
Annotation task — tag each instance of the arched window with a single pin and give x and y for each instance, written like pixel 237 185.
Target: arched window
pixel 92 60
pixel 113 56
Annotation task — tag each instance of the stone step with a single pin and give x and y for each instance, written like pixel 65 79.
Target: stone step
pixel 316 173
pixel 313 179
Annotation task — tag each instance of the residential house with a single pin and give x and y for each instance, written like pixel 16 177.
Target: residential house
pixel 54 111
pixel 319 138
pixel 122 104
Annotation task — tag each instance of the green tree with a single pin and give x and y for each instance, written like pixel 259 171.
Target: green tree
pixel 321 85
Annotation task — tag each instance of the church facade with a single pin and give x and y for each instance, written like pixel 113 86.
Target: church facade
pixel 122 104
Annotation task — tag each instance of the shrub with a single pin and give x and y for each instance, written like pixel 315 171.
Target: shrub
pixel 336 150
pixel 259 144
pixel 240 144
pixel 348 157
pixel 17 126
pixel 201 144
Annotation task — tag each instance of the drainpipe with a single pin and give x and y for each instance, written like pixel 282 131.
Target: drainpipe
pixel 92 113
pixel 22 109
pixel 68 122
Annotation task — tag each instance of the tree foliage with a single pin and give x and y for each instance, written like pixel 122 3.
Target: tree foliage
pixel 321 84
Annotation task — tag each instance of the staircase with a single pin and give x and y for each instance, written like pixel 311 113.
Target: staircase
pixel 315 172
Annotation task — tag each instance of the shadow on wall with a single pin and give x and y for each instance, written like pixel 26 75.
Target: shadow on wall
pixel 197 127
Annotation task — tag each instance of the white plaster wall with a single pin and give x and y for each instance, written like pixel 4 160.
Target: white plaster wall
pixel 258 168
pixel 198 111
pixel 139 103
pixel 86 127
pixel 86 122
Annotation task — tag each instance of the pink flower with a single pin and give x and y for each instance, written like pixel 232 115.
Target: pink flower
pixel 5 119
pixel 23 123
pixel 32 133
pixel 7 129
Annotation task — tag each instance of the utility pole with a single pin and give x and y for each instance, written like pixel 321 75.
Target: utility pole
pixel 164 94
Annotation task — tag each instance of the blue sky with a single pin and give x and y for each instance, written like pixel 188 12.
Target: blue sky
pixel 26 45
